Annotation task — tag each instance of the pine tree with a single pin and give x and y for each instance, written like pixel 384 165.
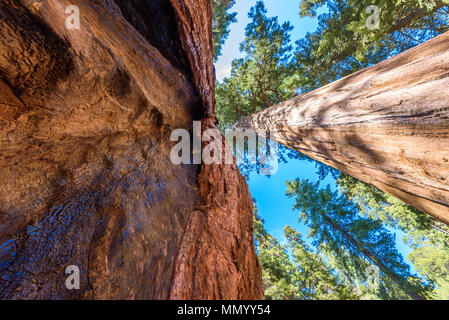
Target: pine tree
pixel 329 126
pixel 293 271
pixel 342 45
pixel 257 81
pixel 353 242
pixel 432 262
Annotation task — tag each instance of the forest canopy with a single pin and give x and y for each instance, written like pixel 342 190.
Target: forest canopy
pixel 221 20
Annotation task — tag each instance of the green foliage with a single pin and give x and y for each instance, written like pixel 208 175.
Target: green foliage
pixel 352 242
pixel 433 263
pixel 343 43
pixel 221 20
pixel 268 74
pixel 428 237
pixel 294 272
pixel 261 79
pixel 257 81
pixel 315 277
pixel 277 269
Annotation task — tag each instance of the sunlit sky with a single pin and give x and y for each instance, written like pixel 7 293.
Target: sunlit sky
pixel 274 207
pixel 286 10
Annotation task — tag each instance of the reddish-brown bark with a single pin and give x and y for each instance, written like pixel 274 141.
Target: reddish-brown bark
pixel 194 20
pixel 217 258
pixel 387 125
pixel 85 122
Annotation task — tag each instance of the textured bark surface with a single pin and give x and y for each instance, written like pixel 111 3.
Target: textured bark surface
pixel 85 122
pixel 217 257
pixel 387 125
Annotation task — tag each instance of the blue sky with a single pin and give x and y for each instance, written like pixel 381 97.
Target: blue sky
pixel 286 10
pixel 274 207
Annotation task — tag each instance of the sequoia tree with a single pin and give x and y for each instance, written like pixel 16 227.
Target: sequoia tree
pixel 386 125
pixel 86 178
pixel 221 19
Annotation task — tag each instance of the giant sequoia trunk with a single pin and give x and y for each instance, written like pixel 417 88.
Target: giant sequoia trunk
pixel 387 125
pixel 86 178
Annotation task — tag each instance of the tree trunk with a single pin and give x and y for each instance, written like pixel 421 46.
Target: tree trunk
pixel 85 171
pixel 373 258
pixel 387 125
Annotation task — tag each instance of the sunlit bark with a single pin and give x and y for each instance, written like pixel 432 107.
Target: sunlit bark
pixel 387 125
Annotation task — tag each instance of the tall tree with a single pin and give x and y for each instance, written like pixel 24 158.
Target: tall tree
pixel 277 269
pixel 257 81
pixel 221 20
pixel 315 277
pixel 355 243
pixel 261 79
pixel 428 238
pixel 293 271
pixel 344 44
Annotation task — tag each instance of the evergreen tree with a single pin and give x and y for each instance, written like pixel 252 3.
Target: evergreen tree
pixel 277 269
pixel 316 279
pixel 348 38
pixel 433 263
pixel 376 204
pixel 257 81
pixel 261 79
pixel 294 271
pixel 353 242
pixel 428 237
pixel 221 20
pixel 343 44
